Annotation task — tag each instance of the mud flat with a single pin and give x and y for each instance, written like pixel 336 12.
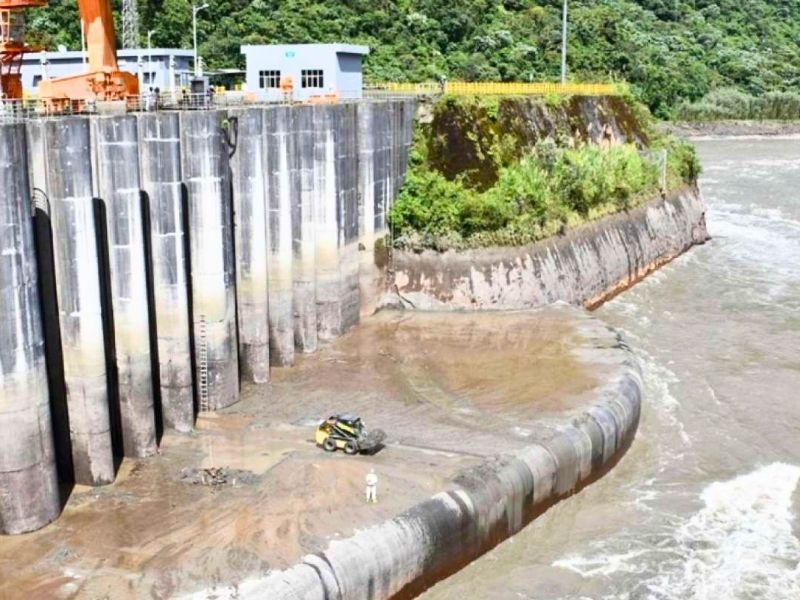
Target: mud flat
pixel 450 414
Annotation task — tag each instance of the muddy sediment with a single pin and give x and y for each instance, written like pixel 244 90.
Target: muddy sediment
pixel 533 457
pixel 159 530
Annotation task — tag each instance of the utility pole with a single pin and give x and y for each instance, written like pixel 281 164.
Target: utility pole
pixel 196 9
pixel 150 56
pixel 564 45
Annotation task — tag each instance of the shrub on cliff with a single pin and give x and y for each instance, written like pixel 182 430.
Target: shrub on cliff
pixel 542 193
pixel 683 164
pixel 428 204
pixel 514 170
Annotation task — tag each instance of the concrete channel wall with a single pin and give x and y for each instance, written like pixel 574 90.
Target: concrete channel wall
pixel 485 504
pixel 117 186
pixel 66 182
pixel 585 266
pixel 190 251
pixel 28 485
pixel 164 190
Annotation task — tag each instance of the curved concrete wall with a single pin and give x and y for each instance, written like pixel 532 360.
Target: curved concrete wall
pixel 281 165
pixel 250 228
pixel 304 244
pixel 161 179
pixel 206 171
pixel 585 266
pixel 487 504
pixel 116 160
pixel 77 266
pixel 29 495
pixel 384 139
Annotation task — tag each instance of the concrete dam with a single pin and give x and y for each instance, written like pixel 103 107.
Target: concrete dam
pixel 150 263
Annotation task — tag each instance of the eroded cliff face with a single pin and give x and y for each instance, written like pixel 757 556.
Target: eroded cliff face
pixel 585 266
pixel 472 138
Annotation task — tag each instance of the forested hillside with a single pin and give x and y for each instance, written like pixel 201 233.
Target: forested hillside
pixel 670 50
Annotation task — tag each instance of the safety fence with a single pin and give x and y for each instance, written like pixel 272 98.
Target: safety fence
pixel 495 88
pixel 180 99
pixel 12 111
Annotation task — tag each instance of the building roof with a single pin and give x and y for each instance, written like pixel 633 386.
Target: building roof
pixel 338 48
pixel 122 53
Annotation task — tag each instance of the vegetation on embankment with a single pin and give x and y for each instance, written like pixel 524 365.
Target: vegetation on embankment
pixel 732 104
pixel 513 171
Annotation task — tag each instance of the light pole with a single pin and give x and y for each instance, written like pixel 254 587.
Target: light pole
pixel 564 45
pixel 150 56
pixel 196 9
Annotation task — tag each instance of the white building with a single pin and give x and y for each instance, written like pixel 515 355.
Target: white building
pixel 315 69
pixel 154 67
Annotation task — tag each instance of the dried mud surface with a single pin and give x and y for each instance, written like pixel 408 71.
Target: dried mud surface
pixel 448 389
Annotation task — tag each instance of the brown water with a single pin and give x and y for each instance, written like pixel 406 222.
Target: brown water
pixel 705 504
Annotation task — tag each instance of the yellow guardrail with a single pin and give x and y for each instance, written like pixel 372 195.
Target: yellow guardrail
pixel 429 87
pixel 494 88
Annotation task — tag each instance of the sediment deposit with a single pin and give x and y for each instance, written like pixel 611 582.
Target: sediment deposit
pixel 446 410
pixel 542 455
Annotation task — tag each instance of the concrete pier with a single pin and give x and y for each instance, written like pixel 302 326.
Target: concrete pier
pixel 168 252
pixel 329 317
pixel 374 174
pixel 206 171
pixel 29 497
pixel 116 161
pixel 66 142
pixel 248 167
pixel 303 246
pixel 346 128
pixel 281 160
pixel 160 162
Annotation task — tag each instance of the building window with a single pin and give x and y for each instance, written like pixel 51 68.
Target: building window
pixel 269 79
pixel 36 80
pixel 148 77
pixel 311 78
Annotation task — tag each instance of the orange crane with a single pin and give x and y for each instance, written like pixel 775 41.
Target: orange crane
pixel 12 46
pixel 102 81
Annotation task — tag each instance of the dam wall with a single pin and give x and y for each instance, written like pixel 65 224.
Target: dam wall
pixel 185 252
pixel 584 266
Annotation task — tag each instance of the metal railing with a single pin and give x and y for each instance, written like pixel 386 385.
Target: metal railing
pixel 495 88
pixel 12 111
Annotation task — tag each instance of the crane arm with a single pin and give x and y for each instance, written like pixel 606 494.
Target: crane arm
pixel 102 81
pixel 98 27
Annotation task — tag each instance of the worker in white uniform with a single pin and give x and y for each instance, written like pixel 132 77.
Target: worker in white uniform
pixel 372 486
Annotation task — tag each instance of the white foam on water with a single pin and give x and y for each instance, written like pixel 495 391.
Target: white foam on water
pixel 739 546
pixel 761 254
pixel 741 165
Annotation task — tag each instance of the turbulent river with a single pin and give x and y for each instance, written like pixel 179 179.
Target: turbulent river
pixel 706 504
